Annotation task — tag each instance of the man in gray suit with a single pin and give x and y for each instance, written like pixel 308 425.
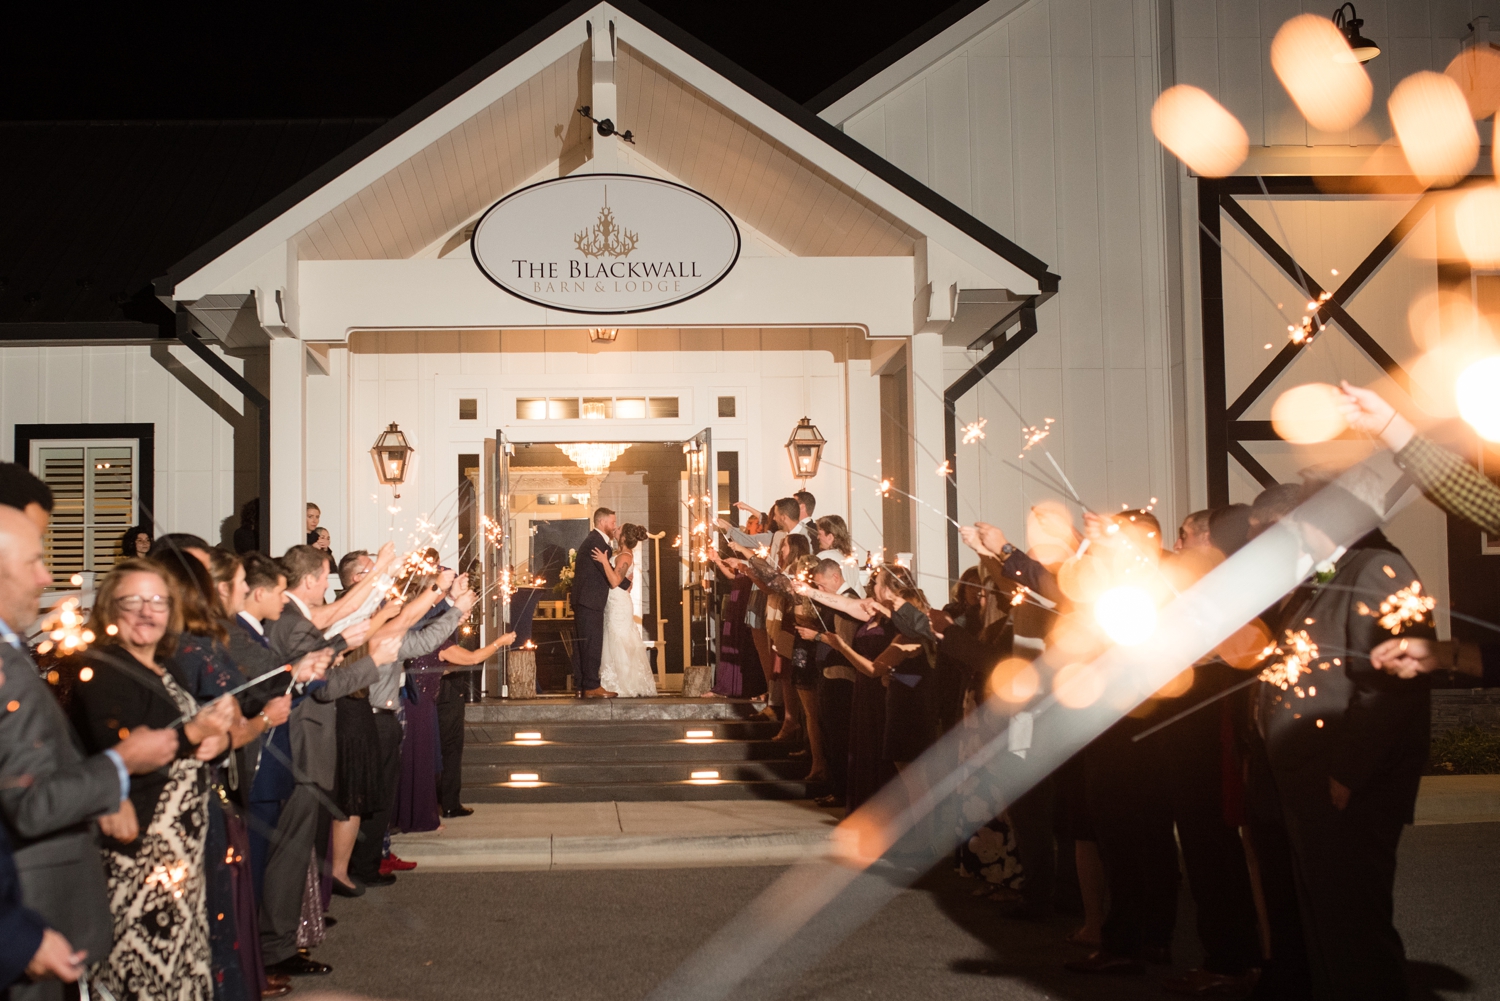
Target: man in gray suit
pixel 50 793
pixel 314 751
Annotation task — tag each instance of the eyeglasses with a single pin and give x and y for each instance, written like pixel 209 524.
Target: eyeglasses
pixel 135 602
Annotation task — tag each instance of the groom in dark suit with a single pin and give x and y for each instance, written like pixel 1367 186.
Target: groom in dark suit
pixel 590 592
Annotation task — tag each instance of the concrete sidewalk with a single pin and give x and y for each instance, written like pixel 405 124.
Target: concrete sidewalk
pixel 1459 799
pixel 660 835
pixel 519 836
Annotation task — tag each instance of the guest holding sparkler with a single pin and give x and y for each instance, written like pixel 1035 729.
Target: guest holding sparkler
pixel 1344 746
pixel 50 793
pixel 457 659
pixel 155 857
pixel 1458 488
pixel 203 663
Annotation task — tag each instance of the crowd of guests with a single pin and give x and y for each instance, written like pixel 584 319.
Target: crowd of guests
pixel 1282 801
pixel 181 798
pixel 227 748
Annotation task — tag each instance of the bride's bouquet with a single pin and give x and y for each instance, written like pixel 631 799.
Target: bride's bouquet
pixel 565 575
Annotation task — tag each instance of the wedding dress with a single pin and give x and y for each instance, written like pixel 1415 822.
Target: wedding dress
pixel 625 666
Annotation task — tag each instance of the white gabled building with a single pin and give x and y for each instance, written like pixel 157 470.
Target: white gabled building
pixel 981 217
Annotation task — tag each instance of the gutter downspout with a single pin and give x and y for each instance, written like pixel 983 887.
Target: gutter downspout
pixel 960 387
pixel 184 331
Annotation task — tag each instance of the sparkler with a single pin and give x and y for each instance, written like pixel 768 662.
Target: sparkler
pixel 169 877
pixel 65 630
pixel 1406 607
pixel 974 432
pixel 1303 333
pixel 1034 433
pixel 1296 660
pixel 945 469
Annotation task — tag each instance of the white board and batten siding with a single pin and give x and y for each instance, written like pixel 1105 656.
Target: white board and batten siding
pixel 1039 125
pixel 189 404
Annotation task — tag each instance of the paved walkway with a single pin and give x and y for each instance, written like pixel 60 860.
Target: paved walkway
pixel 624 835
pixel 502 836
pixel 612 935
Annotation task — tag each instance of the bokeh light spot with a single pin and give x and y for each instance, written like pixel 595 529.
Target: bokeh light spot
pixel 1431 118
pixel 1320 73
pixel 1307 414
pixel 1199 131
pixel 1478 392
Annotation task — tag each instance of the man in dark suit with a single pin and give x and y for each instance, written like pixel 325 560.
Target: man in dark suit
pixel 590 593
pixel 1344 749
pixel 312 754
pixel 50 793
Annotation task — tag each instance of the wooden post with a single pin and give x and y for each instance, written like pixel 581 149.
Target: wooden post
pixel 520 673
pixel 661 630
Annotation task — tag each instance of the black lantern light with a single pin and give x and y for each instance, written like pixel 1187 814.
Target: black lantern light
pixel 392 454
pixel 1364 49
pixel 805 449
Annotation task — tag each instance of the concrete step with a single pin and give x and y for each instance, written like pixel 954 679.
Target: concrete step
pixel 510 753
pixel 607 772
pixel 601 732
pixel 567 709
pixel 614 833
pixel 636 792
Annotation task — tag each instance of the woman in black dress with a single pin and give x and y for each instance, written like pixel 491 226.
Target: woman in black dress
pixel 155 867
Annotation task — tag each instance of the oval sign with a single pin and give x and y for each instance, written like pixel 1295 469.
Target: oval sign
pixel 605 243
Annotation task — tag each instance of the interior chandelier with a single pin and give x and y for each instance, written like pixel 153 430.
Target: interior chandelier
pixel 593 457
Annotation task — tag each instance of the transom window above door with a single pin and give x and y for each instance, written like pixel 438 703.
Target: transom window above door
pixel 568 408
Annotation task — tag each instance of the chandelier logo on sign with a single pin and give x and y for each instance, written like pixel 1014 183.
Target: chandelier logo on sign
pixel 606 237
pixel 651 244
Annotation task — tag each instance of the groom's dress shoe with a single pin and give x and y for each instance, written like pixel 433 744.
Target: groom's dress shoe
pixel 600 693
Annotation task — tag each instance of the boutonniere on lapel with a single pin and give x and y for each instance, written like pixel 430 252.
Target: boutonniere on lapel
pixel 1323 572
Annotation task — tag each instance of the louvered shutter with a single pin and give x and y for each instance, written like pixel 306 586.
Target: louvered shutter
pixel 94 502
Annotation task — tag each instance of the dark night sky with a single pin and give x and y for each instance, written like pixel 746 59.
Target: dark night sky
pixel 316 59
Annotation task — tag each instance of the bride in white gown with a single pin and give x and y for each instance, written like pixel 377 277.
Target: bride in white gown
pixel 624 664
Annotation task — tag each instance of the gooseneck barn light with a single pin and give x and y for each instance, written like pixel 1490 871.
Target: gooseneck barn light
pixel 1364 49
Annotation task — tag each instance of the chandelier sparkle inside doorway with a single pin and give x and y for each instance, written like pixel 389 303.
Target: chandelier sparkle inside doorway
pixel 593 457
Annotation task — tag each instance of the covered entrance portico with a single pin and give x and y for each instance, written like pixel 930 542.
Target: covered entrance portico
pixel 849 279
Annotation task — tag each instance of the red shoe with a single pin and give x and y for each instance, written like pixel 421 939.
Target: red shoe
pixel 391 864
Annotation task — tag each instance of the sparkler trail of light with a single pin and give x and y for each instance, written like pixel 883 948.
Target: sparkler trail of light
pixel 1406 607
pixel 1047 481
pixel 1026 429
pixel 1243 270
pixel 232 692
pixel 1071 489
pixel 884 485
pixel 812 907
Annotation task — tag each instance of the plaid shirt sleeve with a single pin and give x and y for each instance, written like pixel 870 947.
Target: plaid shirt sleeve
pixel 1451 483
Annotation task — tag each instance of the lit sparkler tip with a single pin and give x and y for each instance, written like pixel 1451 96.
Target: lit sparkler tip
pixel 945 469
pixel 975 431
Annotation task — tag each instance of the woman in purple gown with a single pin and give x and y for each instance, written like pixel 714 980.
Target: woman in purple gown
pixel 421 756
pixel 738 674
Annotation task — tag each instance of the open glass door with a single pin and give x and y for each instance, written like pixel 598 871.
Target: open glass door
pixel 499 562
pixel 698 626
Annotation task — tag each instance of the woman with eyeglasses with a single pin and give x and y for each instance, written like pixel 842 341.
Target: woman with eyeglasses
pixel 154 850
